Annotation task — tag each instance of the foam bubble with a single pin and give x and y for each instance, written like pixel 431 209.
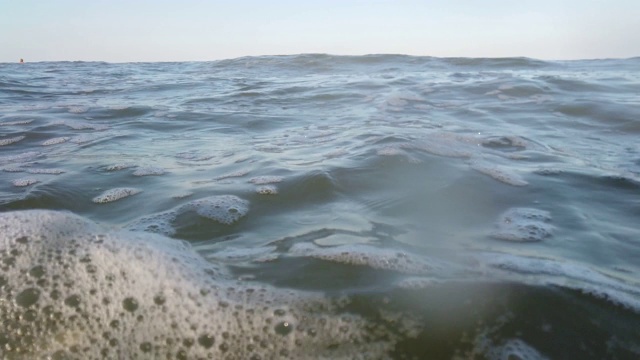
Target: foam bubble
pixel 22 182
pixel 149 171
pixel 240 173
pixel 546 171
pixel 72 289
pixel 46 171
pixel 568 275
pixel 55 141
pixel 9 141
pixel 160 223
pixel 182 195
pixel 267 190
pixel 77 109
pixel 225 209
pixel 17 122
pixel 377 258
pixel 499 174
pixel 118 167
pixel 115 194
pixel 13 169
pixel 23 157
pixel 262 180
pixel 523 225
pixel 235 255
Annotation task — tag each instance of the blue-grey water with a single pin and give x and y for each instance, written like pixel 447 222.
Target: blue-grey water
pixel 320 207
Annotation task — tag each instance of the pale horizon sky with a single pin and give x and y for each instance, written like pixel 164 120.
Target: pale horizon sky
pixel 199 30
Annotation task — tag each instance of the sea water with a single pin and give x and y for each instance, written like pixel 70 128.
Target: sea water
pixel 317 206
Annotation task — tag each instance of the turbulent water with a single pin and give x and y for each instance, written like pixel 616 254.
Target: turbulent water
pixel 316 206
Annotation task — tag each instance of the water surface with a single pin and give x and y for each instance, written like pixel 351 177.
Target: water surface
pixel 384 206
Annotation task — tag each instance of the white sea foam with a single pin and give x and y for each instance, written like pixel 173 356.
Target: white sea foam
pixel 565 274
pixel 225 209
pixel 17 122
pixel 9 141
pixel 22 182
pixel 501 174
pixel 523 225
pixel 267 190
pixel 149 171
pixel 23 157
pixel 377 258
pixel 55 141
pixel 115 194
pixel 77 109
pixel 262 180
pixel 119 294
pixel 234 174
pixel 119 166
pixel 46 171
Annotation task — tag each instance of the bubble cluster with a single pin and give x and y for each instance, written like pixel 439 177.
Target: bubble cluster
pixel 225 209
pixel 118 167
pixel 9 141
pixel 235 174
pixel 115 194
pixel 263 180
pixel 23 157
pixel 71 289
pixel 77 109
pixel 46 171
pixel 377 258
pixel 148 171
pixel 55 141
pixel 267 190
pixel 22 182
pixel 17 122
pixel 523 225
pixel 501 174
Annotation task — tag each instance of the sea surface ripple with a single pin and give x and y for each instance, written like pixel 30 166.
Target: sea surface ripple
pixel 319 206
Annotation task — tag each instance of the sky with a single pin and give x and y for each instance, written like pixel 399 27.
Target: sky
pixel 200 30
